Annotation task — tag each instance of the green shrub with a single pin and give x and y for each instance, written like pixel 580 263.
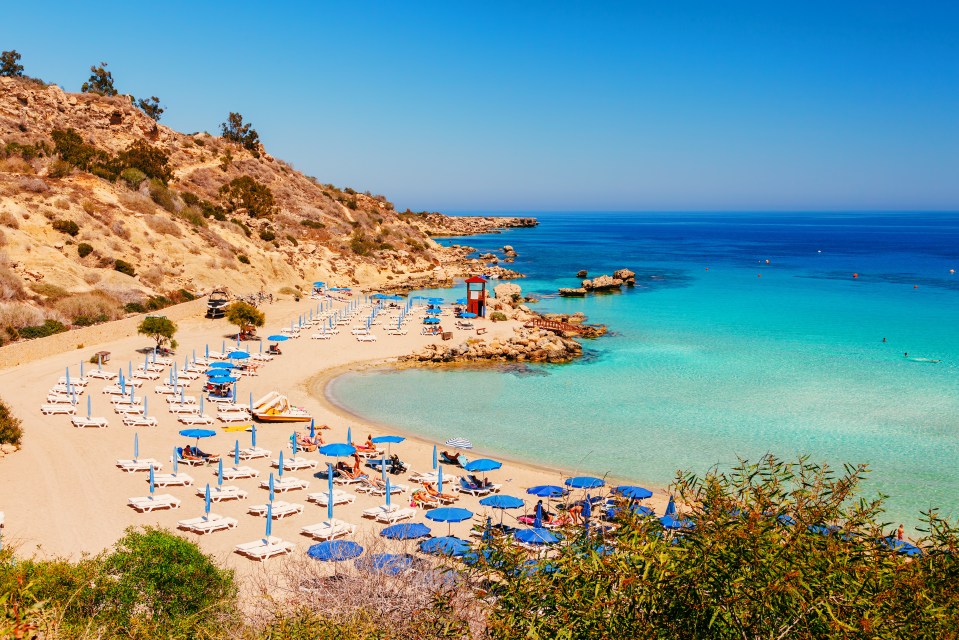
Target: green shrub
pixel 267 235
pixel 498 316
pixel 86 321
pixel 48 328
pixel 155 303
pixel 359 243
pixel 132 177
pixel 124 267
pixel 185 295
pixel 190 199
pixel 59 169
pixel 161 195
pixel 68 227
pixel 100 81
pixel 242 258
pixel 235 130
pixel 10 429
pixel 243 227
pixel 312 224
pixel 134 307
pixel 246 194
pixel 192 215
pixel 149 160
pixel 71 149
pixel 292 240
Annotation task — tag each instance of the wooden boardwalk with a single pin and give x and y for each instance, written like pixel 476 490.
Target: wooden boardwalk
pixel 553 325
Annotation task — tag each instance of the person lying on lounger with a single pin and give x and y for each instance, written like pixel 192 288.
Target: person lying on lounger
pixel 196 453
pixel 431 490
pixel 307 443
pixel 479 484
pixel 450 458
pixel 353 473
pixel 396 465
pixel 423 498
pixel 368 445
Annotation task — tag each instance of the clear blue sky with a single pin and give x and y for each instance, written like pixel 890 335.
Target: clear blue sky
pixel 550 106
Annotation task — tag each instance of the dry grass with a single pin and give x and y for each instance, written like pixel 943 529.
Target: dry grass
pixel 137 202
pixel 16 165
pixel 152 275
pixel 19 315
pixel 11 287
pixel 120 230
pixel 97 305
pixel 163 225
pixel 7 219
pixel 34 185
pixel 62 203
pixel 91 277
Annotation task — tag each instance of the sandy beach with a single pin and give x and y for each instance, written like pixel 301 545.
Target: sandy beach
pixel 63 494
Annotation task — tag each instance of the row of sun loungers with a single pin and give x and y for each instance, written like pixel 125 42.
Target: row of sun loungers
pixel 208 524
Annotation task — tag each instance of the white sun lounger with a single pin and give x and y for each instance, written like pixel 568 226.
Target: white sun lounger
pixel 147 503
pixel 374 490
pixel 145 375
pixel 82 422
pixel 432 478
pixel 214 355
pixel 184 408
pixel 372 512
pixel 235 473
pixel 390 517
pixel 322 498
pixel 367 338
pixel 175 400
pixel 281 509
pixel 398 332
pixel 188 374
pixel 370 454
pixel 127 409
pixel 50 409
pixel 265 549
pixel 171 479
pixel 342 479
pixel 329 529
pixel 59 398
pixel 102 374
pixel 207 524
pixel 286 483
pixel 251 453
pixel 64 390
pixel 140 464
pixel 194 418
pixel 233 416
pixel 165 389
pixel 140 421
pixel 262 357
pixel 116 400
pixel 322 336
pixel 77 382
pixel 226 492
pixel 294 463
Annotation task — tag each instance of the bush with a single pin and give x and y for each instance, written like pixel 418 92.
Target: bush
pixel 100 81
pixel 155 303
pixel 161 195
pixel 246 194
pixel 88 308
pixel 242 258
pixel 193 216
pixel 267 235
pixel 160 328
pixel 498 316
pixel 151 161
pixel 312 224
pixel 132 177
pixel 292 240
pixel 124 267
pixel 84 249
pixel 48 328
pixel 134 307
pixel 235 130
pixel 151 107
pixel 71 149
pixel 10 430
pixel 68 227
pixel 59 169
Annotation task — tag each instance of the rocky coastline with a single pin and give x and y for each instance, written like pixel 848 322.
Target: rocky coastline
pixel 440 225
pixel 600 284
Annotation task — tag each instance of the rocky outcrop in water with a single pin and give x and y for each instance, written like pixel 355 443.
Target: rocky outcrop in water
pixel 578 292
pixel 527 345
pixel 602 283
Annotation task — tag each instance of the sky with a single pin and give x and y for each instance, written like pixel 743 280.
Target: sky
pixel 536 106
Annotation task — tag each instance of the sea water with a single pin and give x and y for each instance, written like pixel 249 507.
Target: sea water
pixel 717 355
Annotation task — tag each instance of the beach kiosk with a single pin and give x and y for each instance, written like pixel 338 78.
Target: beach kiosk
pixel 476 296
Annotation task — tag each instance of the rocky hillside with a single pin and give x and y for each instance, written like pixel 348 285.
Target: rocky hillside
pixel 104 211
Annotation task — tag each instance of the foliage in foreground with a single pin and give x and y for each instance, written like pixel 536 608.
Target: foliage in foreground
pixel 755 564
pixel 10 430
pixel 776 550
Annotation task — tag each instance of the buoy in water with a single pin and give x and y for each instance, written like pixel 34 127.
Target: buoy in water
pixel 707 268
pixel 855 275
pixel 952 270
pixel 915 286
pixel 767 260
pixel 759 275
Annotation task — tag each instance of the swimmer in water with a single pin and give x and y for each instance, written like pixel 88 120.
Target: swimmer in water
pixel 905 355
pixel 883 339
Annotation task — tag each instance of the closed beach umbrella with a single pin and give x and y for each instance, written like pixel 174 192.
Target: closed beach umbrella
pixel 236 454
pixel 269 517
pixel 152 485
pixel 538 519
pixel 136 446
pixel 439 480
pixel 670 508
pixel 206 502
pixel 459 443
pixel 349 435
pixel 587 507
pixel 280 464
pixel 271 487
pixel 219 473
pixel 145 399
pixel 584 482
pixel 329 490
pixel 176 461
pixel 294 443
pixel 434 457
pixel 405 531
pixel 389 493
pixel 89 405
pixel 312 429
pixel 253 436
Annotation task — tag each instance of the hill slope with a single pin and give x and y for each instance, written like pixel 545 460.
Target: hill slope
pixel 65 233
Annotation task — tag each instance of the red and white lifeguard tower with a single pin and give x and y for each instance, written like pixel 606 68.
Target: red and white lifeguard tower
pixel 476 296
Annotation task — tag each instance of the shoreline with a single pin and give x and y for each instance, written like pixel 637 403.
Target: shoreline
pixel 324 397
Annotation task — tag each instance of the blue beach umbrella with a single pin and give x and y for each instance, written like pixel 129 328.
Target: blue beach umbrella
pixel 468 314
pixel 145 399
pixel 335 550
pixel 294 443
pixel 671 522
pixel 546 491
pixel 338 450
pixel 236 454
pixel 223 380
pixel 89 405
pixel 219 364
pixel 219 473
pixel 670 508
pixel 584 482
pixel 449 515
pixel 277 338
pixel 197 433
pixel 269 516
pixel 460 301
pixel 389 494
pixel 434 457
pixel 431 320
pixel 280 464
pixel 152 485
pixel 312 429
pixel 538 519
pixel 536 535
pixel 253 436
pixel 391 564
pixel 901 546
pixel 587 507
pixel 349 435
pixel 405 531
pixel 136 446
pixel 176 461
pixel 238 355
pixel 633 493
pixel 482 465
pixel 445 546
pixel 206 502
pixel 502 502
pixel 272 487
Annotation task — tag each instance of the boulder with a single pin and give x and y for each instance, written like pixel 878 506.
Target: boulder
pixel 582 273
pixel 572 293
pixel 627 276
pixel 602 283
pixel 508 293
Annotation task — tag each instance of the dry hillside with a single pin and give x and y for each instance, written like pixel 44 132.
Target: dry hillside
pixel 78 244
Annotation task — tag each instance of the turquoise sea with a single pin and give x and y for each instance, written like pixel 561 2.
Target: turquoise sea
pixel 707 361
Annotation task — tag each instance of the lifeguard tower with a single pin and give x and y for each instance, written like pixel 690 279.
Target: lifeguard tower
pixel 476 296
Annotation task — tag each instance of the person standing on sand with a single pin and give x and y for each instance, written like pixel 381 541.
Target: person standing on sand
pixel 900 532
